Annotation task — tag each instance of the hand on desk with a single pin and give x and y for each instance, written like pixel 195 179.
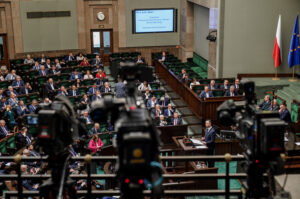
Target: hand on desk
pixel 202 138
pixel 204 142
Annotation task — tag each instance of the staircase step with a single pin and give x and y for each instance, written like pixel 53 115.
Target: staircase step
pixel 179 103
pixel 191 120
pixel 167 88
pixel 291 91
pixel 173 95
pixel 196 129
pixel 185 111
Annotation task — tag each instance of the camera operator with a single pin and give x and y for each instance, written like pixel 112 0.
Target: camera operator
pixel 209 140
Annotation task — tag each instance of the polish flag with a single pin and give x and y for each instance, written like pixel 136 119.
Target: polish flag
pixel 277 51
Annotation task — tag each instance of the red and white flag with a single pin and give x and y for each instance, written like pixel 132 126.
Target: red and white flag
pixel 277 51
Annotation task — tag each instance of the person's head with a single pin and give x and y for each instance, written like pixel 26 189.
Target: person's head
pixel 56 61
pixel 53 67
pixel 226 82
pixel 2 123
pixel 232 89
pixel 12 95
pixel 161 117
pixel 170 106
pixel 48 61
pixel 85 113
pixel 106 85
pixel 85 59
pixel 23 166
pixel 157 107
pixel 186 76
pixel 208 123
pixel 27 85
pixel 183 71
pixel 97 66
pixel 88 72
pixel 80 55
pixel 24 130
pixel 26 152
pixel 206 89
pixel 62 88
pixel 28 56
pixel 283 106
pixel 194 79
pixel 30 147
pixel 212 82
pixel 96 125
pixel 153 98
pixel 94 85
pixel 267 98
pixel 145 83
pixel 78 81
pixel 100 71
pixel 139 57
pixel 34 102
pixel 13 72
pixel 3 99
pixel 8 108
pixel 73 87
pixel 50 80
pixel 84 96
pixel 21 103
pixel 42 67
pixel 274 102
pixel 97 57
pixel 95 137
pixel 175 115
pixel 1 91
pixel 10 88
pixel 163 53
pixel 76 72
pixel 237 81
pixel 18 78
pixel 98 93
pixel 36 63
pixel 71 54
pixel 46 100
pixel 162 98
pixel 147 90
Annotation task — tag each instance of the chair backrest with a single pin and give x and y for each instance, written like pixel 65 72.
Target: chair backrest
pixel 294 112
pixel 3 147
pixel 105 139
pixel 11 143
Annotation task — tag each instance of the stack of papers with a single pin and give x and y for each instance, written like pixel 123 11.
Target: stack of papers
pixel 196 142
pixel 297 143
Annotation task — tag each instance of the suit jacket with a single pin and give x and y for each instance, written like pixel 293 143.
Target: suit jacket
pixel 265 106
pixel 120 89
pixel 92 91
pixel 274 108
pixel 164 103
pixel 94 98
pixel 27 184
pixel 167 114
pixel 49 88
pixel 95 131
pixel 88 119
pixel 145 97
pixel 71 92
pixel 149 103
pixel 23 140
pixel 42 61
pixel 103 90
pixel 12 102
pixel 21 112
pixel 7 93
pixel 87 100
pixel 97 62
pixel 54 72
pixel 286 116
pixel 23 90
pixel 68 58
pixel 3 105
pixel 165 59
pixel 203 95
pixel 32 109
pixel 61 93
pixel 210 137
pixel 153 113
pixel 227 93
pixel 10 77
pixel 223 86
pixel 178 122
pixel 15 83
pixel 36 67
pixel 3 133
pixel 100 83
pixel 73 76
pixel 212 88
pixel 41 73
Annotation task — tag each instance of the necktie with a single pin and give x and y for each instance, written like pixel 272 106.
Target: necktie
pixel 74 94
pixel 4 130
pixel 169 112
pixel 175 122
pixel 18 83
pixel 26 91
pixel 43 73
pixel 28 140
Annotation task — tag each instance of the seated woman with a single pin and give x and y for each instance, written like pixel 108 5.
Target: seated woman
pixel 194 82
pixel 100 74
pixel 144 86
pixel 88 75
pixel 84 62
pixel 10 116
pixel 95 144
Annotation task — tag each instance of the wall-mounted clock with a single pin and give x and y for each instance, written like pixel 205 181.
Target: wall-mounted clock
pixel 100 16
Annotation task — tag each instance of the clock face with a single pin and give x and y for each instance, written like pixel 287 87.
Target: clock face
pixel 101 16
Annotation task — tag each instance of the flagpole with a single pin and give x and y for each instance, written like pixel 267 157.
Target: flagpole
pixel 293 78
pixel 276 75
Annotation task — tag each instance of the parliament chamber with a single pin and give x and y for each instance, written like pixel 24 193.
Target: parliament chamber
pixel 225 122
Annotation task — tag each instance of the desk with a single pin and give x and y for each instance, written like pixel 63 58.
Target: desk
pixel 190 150
pixel 167 132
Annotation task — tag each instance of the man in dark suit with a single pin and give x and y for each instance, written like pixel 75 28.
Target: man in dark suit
pixel 225 85
pixel 237 84
pixel 76 75
pixel 157 111
pixel 13 101
pixel 231 92
pixel 176 120
pixel 3 130
pixel 162 121
pixel 74 91
pixel 10 91
pixel 24 138
pixel 186 80
pixel 106 88
pixel 274 106
pixel 97 96
pixel 206 93
pixel 209 140
pixel 53 70
pixel 163 57
pixel 36 66
pixel 147 95
pixel 101 81
pixel 212 85
pixel 152 102
pixel 70 57
pixel 93 89
pixel 85 100
pixel 169 111
pixel 87 118
pixel 22 109
pixel 139 60
pixel 25 90
pixel 18 82
pixel 42 59
pixel 284 113
pixel 96 129
pixel 43 71
pixel 97 61
pixel 265 106
pixel 33 106
pixel 63 91
pixel 183 74
pixel 163 102
pixel 3 103
pixel 51 86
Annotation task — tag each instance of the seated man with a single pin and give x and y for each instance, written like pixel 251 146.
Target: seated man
pixel 57 64
pixel 139 60
pixel 18 82
pixel 97 61
pixel 3 103
pixel 284 113
pixel 51 86
pixel 162 121
pixel 24 138
pixel 97 96
pixel 183 74
pixel 97 68
pixel 147 95
pixel 70 57
pixel 85 100
pixel 163 57
pixel 164 102
pixel 266 104
pixel 43 71
pixel 206 93
pixel 11 76
pixel 101 81
pixel 274 106
pixel 36 66
pixel 225 85
pixel 169 111
pixel 63 91
pixel 186 80
pixel 28 60
pixel 93 89
pixel 10 91
pixel 22 109
pixel 152 102
pixel 157 111
pixel 237 84
pixel 26 89
pixel 53 70
pixel 231 92
pixel 48 64
pixel 212 85
pixel 33 106
pixel 96 129
pixel 106 88
pixel 176 120
pixel 74 91
pixel 75 75
pixel 87 117
pixel 42 59
pixel 13 101
pixel 3 129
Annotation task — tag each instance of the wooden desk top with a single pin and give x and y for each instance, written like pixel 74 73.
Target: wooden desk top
pixel 189 148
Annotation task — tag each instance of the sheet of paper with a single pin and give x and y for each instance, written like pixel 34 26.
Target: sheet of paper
pixel 201 147
pixel 196 142
pixel 297 143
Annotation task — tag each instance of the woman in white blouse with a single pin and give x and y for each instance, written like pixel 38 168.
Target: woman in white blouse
pixel 80 57
pixel 194 82
pixel 88 75
pixel 144 86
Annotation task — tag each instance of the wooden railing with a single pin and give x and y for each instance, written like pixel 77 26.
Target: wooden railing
pixel 203 109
